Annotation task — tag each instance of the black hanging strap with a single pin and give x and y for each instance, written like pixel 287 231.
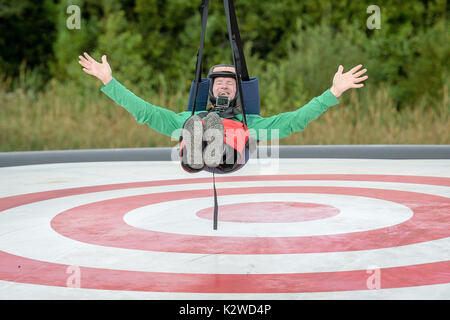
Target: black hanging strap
pixel 239 63
pixel 198 70
pixel 233 33
pixel 216 207
pixel 237 51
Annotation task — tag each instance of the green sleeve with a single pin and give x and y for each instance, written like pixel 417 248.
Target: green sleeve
pixel 289 122
pixel 163 120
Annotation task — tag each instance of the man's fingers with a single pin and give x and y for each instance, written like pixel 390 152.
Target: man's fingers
pixel 358 85
pixel 89 57
pixel 83 59
pixel 360 73
pixel 84 64
pixel 354 69
pixel 360 79
pixel 87 71
pixel 340 69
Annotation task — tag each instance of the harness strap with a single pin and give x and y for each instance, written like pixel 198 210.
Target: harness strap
pixel 198 70
pixel 216 207
pixel 239 63
pixel 233 34
pixel 238 52
pixel 228 113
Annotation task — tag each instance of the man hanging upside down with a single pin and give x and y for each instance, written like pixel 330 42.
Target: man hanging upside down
pixel 217 138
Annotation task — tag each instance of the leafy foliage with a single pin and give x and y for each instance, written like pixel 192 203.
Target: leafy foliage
pixel 294 47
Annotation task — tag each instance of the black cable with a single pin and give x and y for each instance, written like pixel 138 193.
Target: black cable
pixel 198 71
pixel 216 206
pixel 237 52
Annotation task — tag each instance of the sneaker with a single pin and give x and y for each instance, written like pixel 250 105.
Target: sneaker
pixel 193 142
pixel 213 135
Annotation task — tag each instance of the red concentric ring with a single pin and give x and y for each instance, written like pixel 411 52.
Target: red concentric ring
pixel 431 217
pixel 102 223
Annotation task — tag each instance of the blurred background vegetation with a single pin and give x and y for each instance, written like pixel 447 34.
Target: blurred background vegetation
pixel 294 47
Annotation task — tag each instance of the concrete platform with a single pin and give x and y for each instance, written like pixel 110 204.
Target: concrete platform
pixel 289 228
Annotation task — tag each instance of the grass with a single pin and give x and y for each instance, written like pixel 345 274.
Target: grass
pixel 374 119
pixel 65 116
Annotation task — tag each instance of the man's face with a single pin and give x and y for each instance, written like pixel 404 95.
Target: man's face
pixel 224 86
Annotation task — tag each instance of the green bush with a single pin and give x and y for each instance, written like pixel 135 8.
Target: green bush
pixel 293 47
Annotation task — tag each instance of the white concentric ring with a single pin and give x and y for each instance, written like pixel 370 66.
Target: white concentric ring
pixel 30 224
pixel 357 214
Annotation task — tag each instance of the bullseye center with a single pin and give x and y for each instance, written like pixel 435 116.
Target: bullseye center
pixel 270 211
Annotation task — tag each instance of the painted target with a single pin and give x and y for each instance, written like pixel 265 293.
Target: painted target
pixel 277 234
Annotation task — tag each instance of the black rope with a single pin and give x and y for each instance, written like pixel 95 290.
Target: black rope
pixel 237 51
pixel 239 64
pixel 216 206
pixel 198 70
pixel 233 32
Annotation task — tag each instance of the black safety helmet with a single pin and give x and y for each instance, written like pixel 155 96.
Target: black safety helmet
pixel 221 70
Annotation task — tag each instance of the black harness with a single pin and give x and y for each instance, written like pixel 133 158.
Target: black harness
pixel 227 113
pixel 236 49
pixel 239 64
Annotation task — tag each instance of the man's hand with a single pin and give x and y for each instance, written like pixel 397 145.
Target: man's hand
pixel 102 71
pixel 344 81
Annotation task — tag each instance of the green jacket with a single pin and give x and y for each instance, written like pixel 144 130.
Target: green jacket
pixel 166 121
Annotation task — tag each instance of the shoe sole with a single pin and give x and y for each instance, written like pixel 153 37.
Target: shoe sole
pixel 213 135
pixel 193 142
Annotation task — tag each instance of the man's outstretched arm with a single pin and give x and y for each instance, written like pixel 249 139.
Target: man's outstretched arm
pixel 163 120
pixel 289 122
